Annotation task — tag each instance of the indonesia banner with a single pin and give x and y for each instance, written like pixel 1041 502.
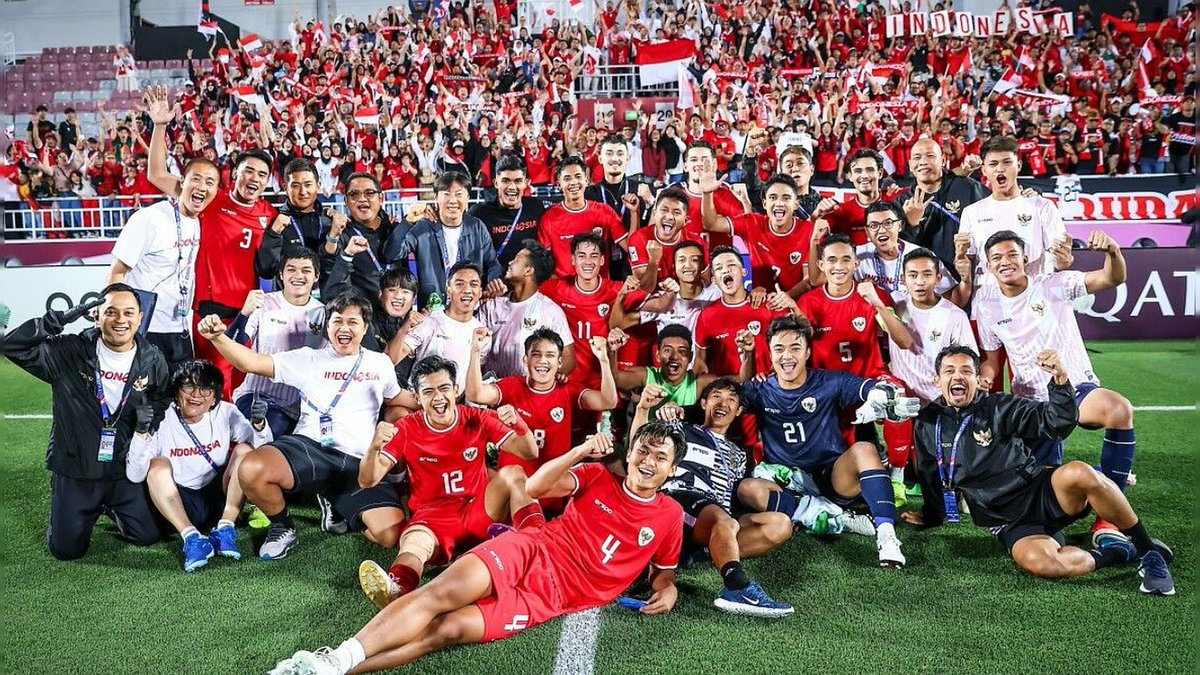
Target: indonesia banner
pixel 659 62
pixel 248 94
pixel 250 42
pixel 367 116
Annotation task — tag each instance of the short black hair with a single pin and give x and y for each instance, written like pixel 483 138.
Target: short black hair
pixel 726 383
pixel 398 277
pixel 588 238
pixel 345 301
pixel 119 287
pixel 922 253
pixel 445 181
pixel 359 175
pixel 1000 144
pixel 675 193
pixel 430 365
pixel 615 139
pixel 882 206
pixel 511 163
pixel 198 373
pixel 1001 237
pixel 834 238
pixel 301 253
pixel 674 330
pixel 540 258
pixel 299 165
pixel 865 153
pixel 723 249
pixel 655 433
pixel 952 350
pixel 546 334
pixel 699 145
pixel 796 150
pixel 788 323
pixel 572 160
pixel 692 243
pixel 254 153
pixel 781 179
pixel 463 265
pixel 198 163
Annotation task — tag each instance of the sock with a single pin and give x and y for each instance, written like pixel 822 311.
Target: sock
pixel 1116 455
pixel 349 654
pixel 734 576
pixel 406 577
pixel 899 437
pixel 783 502
pixel 1141 540
pixel 224 523
pixel 877 492
pixel 189 532
pixel 529 517
pixel 283 517
pixel 1108 557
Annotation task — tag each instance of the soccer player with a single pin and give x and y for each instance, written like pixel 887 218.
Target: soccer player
pixel 972 441
pixel 511 217
pixel 275 322
pixel 682 298
pixel 881 260
pixel 865 168
pixel 612 529
pixel 513 317
pixel 799 413
pixel 577 215
pixel 673 374
pixel 778 242
pixel 156 252
pixel 343 390
pixel 795 161
pixel 652 249
pixel 546 406
pixel 443 449
pixel 1027 315
pixel 449 333
pixel 700 158
pixel 934 205
pixel 705 483
pixel 190 463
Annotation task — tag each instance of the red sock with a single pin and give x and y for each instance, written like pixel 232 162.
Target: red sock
pixel 529 517
pixel 899 438
pixel 405 577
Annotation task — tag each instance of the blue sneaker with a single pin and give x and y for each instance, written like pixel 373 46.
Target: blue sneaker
pixel 751 601
pixel 224 540
pixel 1109 540
pixel 1156 578
pixel 196 552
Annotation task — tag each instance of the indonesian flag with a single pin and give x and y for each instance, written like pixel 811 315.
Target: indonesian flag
pixel 591 60
pixel 223 55
pixel 319 35
pixel 205 24
pixel 960 64
pixel 688 96
pixel 1146 56
pixel 659 62
pixel 1009 81
pixel 258 63
pixel 1024 59
pixel 248 94
pixel 367 116
pixel 250 42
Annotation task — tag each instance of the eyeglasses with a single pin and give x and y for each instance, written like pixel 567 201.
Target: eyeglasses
pixel 192 390
pixel 891 222
pixel 359 194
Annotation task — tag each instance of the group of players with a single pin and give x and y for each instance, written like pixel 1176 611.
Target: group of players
pixel 465 413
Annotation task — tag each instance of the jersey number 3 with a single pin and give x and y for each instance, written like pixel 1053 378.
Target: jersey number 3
pixel 247 238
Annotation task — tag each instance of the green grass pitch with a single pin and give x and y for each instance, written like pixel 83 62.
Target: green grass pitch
pixel 960 607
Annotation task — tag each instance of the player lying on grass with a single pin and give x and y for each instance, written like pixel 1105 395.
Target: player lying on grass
pixel 705 483
pixel 972 441
pixel 443 448
pixel 612 529
pixel 190 464
pixel 798 411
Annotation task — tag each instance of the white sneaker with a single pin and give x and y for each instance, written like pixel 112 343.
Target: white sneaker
pixel 888 546
pixel 280 540
pixel 377 584
pixel 858 523
pixel 331 522
pixel 320 662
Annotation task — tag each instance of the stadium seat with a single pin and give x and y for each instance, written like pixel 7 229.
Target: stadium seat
pixel 63 96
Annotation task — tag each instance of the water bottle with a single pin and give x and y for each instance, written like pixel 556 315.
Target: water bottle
pixel 605 425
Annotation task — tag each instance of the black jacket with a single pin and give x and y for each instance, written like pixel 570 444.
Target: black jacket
pixel 69 363
pixel 993 466
pixel 936 229
pixel 754 185
pixel 313 227
pixel 360 273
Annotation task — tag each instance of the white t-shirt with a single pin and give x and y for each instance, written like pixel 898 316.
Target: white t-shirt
pixel 1040 318
pixel 442 336
pixel 1036 220
pixel 279 326
pixel 889 274
pixel 162 261
pixel 218 431
pixel 114 373
pixel 320 375
pixel 932 330
pixel 452 234
pixel 684 312
pixel 325 169
pixel 512 323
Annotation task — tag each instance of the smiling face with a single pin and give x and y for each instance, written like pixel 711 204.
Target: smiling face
pixel 299 275
pixel 464 290
pixel 198 189
pixel 689 263
pixel 302 189
pixel 1007 261
pixel 572 182
pixel 921 277
pixel 511 186
pixel 883 229
pixel 925 161
pixel 699 160
pixel 864 174
pixel 542 361
pixel 789 356
pixel 614 157
pixel 396 301
pixel 345 331
pixel 780 204
pixel 674 356
pixel 728 274
pixel 957 379
pixel 650 464
pixel 838 262
pixel 194 401
pixel 250 180
pixel 519 267
pixel 721 408
pixel 452 204
pixel 438 394
pixel 669 219
pixel 119 319
pixel 1000 169
pixel 363 199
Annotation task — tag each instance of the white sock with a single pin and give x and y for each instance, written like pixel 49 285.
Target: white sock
pixel 885 531
pixel 349 654
pixel 189 532
pixel 224 523
pixel 897 475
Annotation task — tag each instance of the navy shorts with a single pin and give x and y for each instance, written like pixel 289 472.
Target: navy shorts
pixel 823 477
pixel 1050 451
pixel 203 506
pixel 1043 515
pixel 317 469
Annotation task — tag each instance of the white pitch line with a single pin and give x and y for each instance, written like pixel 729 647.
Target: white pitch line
pixel 28 417
pixel 577 643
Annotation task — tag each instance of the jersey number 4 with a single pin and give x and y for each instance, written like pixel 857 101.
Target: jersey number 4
pixel 609 548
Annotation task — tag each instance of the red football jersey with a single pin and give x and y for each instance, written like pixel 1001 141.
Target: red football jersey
pixel 560 225
pixel 587 314
pixel 717 328
pixel 608 536
pixel 850 219
pixel 727 204
pixel 446 464
pixel 774 258
pixel 639 258
pixel 548 414
pixel 846 332
pixel 230 234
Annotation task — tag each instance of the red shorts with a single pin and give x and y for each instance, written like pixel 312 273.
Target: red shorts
pixel 457 526
pixel 525 591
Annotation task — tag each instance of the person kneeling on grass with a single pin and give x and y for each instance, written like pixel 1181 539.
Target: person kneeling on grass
pixel 612 529
pixel 190 464
pixel 972 441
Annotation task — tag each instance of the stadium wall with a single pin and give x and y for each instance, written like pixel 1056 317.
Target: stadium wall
pixel 37 24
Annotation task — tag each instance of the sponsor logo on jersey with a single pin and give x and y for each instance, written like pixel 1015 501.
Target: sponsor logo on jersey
pixel 859 323
pixel 530 321
pixel 773 411
pixel 809 404
pixel 499 562
pixel 794 257
pixel 358 377
pixel 556 414
pixel 141 383
pixel 604 507
pixel 983 438
pixel 471 453
pixel 755 327
pixel 429 460
pixel 1038 308
pixel 645 536
pixel 602 309
pixel 953 206
pixel 277 320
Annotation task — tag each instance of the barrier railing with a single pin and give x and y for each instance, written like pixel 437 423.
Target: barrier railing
pixel 611 81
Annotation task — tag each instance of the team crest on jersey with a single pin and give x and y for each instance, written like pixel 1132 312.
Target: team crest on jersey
pixel 315 328
pixel 530 321
pixel 983 438
pixel 809 404
pixel 471 453
pixel 602 309
pixel 262 220
pixel 645 536
pixel 1025 218
pixel 140 383
pixel 1038 308
pixel 795 257
pixel 953 206
pixel 859 323
pixel 755 327
pixel 935 335
pixel 556 414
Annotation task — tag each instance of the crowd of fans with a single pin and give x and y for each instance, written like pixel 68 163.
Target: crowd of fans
pixel 418 90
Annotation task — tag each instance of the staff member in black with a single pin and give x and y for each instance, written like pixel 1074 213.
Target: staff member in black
pixel 933 206
pixel 300 222
pixel 972 442
pixel 105 382
pixel 510 216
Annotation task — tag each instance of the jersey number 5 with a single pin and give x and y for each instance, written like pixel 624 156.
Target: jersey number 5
pixel 844 350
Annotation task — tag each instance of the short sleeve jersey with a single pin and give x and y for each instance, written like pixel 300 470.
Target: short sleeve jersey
pixel 560 225
pixel 846 332
pixel 774 258
pixel 800 427
pixel 230 234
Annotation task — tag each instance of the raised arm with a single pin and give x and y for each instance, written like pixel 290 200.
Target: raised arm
pixel 551 480
pixel 240 356
pixel 1113 273
pixel 161 114
pixel 604 398
pixel 479 391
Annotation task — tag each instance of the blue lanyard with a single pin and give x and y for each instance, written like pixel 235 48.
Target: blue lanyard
pixel 370 251
pixel 338 397
pixel 296 227
pixel 947 472
pixel 110 418
pixel 196 441
pixel 512 228
pixel 949 215
pixel 183 286
pixel 888 284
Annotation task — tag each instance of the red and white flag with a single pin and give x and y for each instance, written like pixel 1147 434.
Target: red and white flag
pixel 223 55
pixel 367 116
pixel 659 62
pixel 1147 55
pixel 206 25
pixel 319 34
pixel 248 94
pixel 688 96
pixel 250 42
pixel 1009 81
pixel 959 64
pixel 1024 58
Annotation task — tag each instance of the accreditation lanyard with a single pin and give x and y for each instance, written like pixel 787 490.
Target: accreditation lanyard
pixel 618 202
pixel 512 228
pixel 196 441
pixel 110 417
pixel 370 251
pixel 889 284
pixel 181 274
pixel 946 471
pixel 338 397
pixel 296 227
